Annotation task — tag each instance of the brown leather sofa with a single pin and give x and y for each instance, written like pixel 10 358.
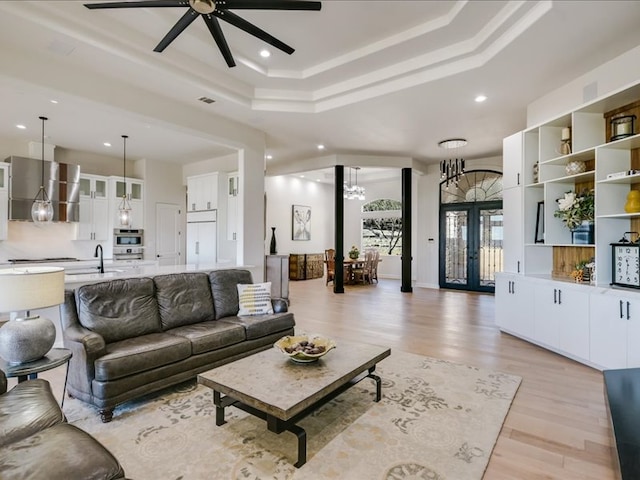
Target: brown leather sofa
pixel 36 443
pixel 134 336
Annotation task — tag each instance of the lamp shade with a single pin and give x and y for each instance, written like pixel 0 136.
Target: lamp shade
pixel 30 288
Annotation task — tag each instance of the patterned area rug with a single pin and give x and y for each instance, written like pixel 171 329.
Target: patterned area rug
pixel 437 421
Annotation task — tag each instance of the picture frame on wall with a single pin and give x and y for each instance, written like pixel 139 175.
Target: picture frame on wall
pixel 539 237
pixel 300 222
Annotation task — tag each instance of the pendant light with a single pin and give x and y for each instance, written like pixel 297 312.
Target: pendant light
pixel 353 191
pixel 41 209
pixel 124 209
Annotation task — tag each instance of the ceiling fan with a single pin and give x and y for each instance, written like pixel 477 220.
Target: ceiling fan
pixel 211 11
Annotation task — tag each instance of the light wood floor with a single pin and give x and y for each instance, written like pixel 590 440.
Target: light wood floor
pixel 557 427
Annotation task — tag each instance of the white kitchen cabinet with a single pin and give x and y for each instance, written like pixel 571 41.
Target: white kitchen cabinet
pixel 4 201
pixel 202 192
pixel 513 251
pixel 232 205
pixel 512 161
pixel 615 330
pixel 514 304
pixel 94 208
pixel 134 192
pixel 201 243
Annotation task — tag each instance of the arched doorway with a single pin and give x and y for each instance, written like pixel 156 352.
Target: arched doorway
pixel 471 231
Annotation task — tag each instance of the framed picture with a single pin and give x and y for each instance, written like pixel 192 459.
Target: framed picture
pixel 300 222
pixel 540 223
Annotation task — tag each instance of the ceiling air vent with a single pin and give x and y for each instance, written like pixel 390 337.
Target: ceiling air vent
pixel 206 99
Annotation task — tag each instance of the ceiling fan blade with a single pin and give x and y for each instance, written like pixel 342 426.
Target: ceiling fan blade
pixel 218 36
pixel 177 29
pixel 146 3
pixel 251 29
pixel 272 5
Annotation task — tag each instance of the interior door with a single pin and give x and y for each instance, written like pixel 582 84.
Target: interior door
pixel 470 245
pixel 168 234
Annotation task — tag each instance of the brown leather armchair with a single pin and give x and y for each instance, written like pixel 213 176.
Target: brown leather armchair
pixel 37 443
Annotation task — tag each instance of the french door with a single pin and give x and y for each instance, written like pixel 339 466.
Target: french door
pixel 470 245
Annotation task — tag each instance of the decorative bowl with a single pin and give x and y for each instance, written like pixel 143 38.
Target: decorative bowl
pixel 297 347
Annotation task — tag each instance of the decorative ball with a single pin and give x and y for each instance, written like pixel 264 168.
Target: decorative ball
pixel 26 339
pixel 575 167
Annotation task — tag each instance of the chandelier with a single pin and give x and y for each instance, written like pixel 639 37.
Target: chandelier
pixel 352 191
pixel 452 169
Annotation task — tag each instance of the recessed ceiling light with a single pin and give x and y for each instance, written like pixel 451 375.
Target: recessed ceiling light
pixel 269 157
pixel 320 147
pixel 53 101
pixel 481 98
pixel 106 144
pixel 265 53
pixel 21 127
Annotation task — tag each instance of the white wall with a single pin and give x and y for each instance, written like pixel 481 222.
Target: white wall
pixel 282 192
pixel 613 75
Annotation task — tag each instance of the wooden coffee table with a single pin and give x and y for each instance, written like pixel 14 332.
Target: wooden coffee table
pixel 272 387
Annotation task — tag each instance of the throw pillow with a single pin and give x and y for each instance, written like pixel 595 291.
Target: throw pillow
pixel 254 299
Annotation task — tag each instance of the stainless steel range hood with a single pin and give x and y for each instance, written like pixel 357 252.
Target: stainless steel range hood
pixel 61 182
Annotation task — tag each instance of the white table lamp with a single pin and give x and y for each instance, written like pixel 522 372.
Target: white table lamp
pixel 27 338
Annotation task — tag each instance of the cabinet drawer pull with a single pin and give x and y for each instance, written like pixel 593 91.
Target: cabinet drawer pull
pixel 559 297
pixel 555 295
pixel 628 316
pixel 621 314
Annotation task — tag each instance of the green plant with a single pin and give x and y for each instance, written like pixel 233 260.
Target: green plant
pixel 354 252
pixel 573 208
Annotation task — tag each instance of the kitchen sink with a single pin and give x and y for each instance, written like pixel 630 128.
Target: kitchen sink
pixel 90 271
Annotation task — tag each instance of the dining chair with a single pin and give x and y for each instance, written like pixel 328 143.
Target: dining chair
pixel 362 273
pixel 373 274
pixel 330 261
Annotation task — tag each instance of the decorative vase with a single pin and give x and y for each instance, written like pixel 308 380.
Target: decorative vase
pixel 633 202
pixel 26 339
pixel 272 248
pixel 536 171
pixel 583 233
pixel 575 167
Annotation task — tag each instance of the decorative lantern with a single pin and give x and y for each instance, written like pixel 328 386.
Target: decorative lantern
pixel 622 126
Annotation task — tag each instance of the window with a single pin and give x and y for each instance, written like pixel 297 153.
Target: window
pixel 382 226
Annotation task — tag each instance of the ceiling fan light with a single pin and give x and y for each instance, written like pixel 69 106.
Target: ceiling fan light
pixel 204 7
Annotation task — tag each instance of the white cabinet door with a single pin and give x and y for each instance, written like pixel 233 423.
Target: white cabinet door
pixel 93 208
pixel 513 237
pixel 512 157
pixel 546 329
pixel 202 192
pixel 632 310
pixel 608 327
pixel 514 305
pixel 573 322
pixel 4 213
pixel 201 242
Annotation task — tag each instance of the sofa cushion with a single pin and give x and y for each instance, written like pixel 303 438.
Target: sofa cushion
pixel 26 409
pixel 61 451
pixel 254 299
pixel 134 355
pixel 225 292
pixel 119 309
pixel 261 325
pixel 207 336
pixel 183 299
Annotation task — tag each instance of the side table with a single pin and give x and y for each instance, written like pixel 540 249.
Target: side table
pixel 30 370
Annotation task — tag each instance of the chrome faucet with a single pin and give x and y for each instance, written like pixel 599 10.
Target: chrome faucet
pixel 101 267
